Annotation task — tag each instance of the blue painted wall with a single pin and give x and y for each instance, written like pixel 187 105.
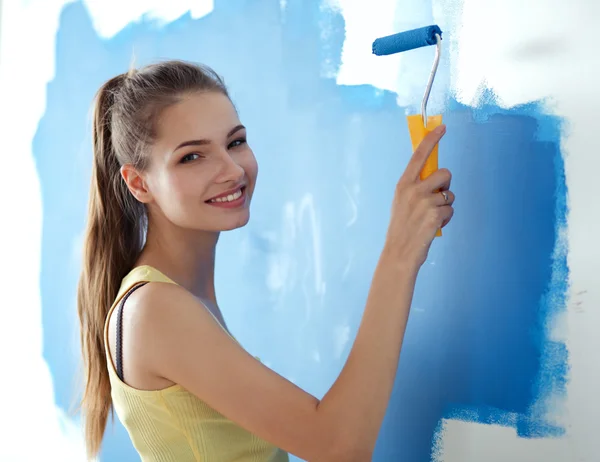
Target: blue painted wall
pixel 475 346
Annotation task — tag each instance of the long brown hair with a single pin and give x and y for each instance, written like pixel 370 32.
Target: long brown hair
pixel 125 114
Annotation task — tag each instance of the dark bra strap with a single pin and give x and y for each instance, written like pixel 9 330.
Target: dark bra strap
pixel 119 345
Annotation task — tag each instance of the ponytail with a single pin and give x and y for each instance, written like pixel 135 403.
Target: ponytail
pixel 125 116
pixel 112 244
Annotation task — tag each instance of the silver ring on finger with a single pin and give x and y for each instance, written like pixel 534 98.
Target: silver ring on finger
pixel 445 196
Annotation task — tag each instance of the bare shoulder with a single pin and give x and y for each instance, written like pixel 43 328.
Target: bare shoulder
pixel 143 312
pixel 161 310
pixel 155 302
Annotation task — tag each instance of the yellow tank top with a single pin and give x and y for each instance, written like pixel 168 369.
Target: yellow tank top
pixel 172 424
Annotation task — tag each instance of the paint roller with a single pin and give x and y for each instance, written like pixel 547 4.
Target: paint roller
pixel 418 124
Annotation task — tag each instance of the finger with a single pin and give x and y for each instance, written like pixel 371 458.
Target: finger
pixel 438 199
pixel 419 157
pixel 448 214
pixel 438 180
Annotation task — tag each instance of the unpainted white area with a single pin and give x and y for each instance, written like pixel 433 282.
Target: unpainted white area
pixel 27 50
pixel 406 73
pixel 110 16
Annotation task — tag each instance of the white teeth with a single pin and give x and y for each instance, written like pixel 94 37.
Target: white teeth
pixel 231 197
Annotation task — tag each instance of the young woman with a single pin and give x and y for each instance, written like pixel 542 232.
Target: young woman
pixel 172 169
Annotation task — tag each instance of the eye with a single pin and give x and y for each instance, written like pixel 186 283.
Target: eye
pixel 236 143
pixel 189 157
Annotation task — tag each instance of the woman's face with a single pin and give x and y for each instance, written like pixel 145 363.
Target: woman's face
pixel 202 172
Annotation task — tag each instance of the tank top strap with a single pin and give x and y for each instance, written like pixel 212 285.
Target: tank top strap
pixel 119 336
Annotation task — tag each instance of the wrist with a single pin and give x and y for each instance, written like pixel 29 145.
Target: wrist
pixel 401 260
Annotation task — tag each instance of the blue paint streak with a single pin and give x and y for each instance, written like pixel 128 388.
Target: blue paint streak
pixel 478 350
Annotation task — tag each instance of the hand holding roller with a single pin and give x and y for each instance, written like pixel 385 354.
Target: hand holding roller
pixel 418 125
pixel 418 211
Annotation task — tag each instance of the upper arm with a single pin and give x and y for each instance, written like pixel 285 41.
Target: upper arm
pixel 189 347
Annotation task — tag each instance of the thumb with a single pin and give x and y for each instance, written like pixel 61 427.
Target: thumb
pixel 421 154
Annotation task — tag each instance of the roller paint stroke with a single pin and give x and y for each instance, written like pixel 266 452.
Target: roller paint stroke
pixel 549 386
pixel 477 340
pixel 508 228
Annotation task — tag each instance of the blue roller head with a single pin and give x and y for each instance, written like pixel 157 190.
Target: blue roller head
pixel 405 41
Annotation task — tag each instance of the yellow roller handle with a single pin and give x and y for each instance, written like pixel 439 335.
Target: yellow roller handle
pixel 417 133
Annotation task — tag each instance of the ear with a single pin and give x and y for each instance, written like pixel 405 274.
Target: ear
pixel 136 184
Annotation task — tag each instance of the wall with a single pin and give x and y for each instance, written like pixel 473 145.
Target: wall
pixel 498 362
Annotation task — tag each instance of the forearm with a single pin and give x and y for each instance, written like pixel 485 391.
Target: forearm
pixel 356 403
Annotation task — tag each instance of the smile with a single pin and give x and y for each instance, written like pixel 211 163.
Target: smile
pixel 235 199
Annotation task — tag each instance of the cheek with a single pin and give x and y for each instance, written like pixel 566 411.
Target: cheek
pixel 178 190
pixel 175 186
pixel 250 166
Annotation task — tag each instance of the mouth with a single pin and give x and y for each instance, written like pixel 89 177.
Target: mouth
pixel 234 199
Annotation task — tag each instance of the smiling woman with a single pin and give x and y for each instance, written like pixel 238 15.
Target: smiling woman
pixel 172 169
pixel 183 177
pixel 236 196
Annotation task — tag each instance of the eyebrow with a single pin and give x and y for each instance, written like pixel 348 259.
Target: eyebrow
pixel 205 141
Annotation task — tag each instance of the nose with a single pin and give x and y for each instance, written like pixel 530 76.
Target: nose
pixel 229 169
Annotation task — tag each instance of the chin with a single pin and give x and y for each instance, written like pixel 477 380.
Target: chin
pixel 235 222
pixel 236 226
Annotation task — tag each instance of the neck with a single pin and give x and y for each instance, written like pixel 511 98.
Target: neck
pixel 187 257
